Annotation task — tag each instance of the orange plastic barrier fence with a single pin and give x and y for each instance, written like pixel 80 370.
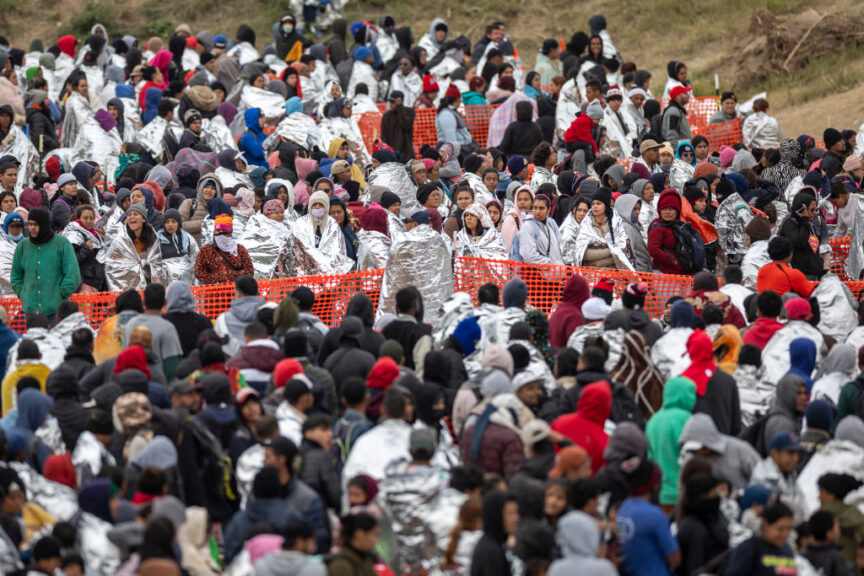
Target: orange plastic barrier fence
pixel 370 128
pixel 424 128
pixel 726 133
pixel 839 254
pixel 699 112
pixel 546 281
pixel 477 119
pixel 332 294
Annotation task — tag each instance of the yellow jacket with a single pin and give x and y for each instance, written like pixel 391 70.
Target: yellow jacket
pixel 32 368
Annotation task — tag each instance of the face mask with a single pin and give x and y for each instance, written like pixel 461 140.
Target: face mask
pixel 17 237
pixel 317 213
pixel 287 29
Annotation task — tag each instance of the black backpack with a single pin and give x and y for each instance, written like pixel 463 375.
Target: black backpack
pixel 216 468
pixel 755 433
pixel 689 248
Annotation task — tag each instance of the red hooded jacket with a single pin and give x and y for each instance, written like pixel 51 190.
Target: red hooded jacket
pixel 568 315
pixel 66 44
pixel 701 350
pixel 585 427
pixel 580 131
pixel 761 332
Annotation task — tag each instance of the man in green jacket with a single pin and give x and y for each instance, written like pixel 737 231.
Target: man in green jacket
pixel 663 430
pixel 44 268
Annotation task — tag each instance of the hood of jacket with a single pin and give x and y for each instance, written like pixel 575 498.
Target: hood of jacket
pixel 850 429
pixel 179 297
pixel 62 383
pixel 700 428
pixel 200 186
pixel 33 408
pixel 802 357
pixel 576 290
pixel 679 392
pixel 352 330
pixel 524 111
pixel 699 346
pixel 361 306
pixel 624 206
pixel 245 308
pixel 843 358
pixel 434 25
pixel 515 293
pixel 578 535
pixel 787 393
pixel 682 315
pixel 252 116
pixel 595 402
pixel 493 515
pixel 159 453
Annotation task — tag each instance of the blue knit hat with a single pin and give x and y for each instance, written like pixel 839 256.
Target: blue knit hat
pixel 362 53
pixel 467 333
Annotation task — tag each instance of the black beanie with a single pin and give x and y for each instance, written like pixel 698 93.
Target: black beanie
pixel 725 187
pixel 693 193
pixel 46 548
pixel 779 248
pixel 831 136
pixel 266 484
pixel 472 163
pixel 388 199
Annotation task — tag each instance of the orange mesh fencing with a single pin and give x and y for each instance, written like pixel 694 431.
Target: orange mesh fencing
pixel 839 254
pixel 699 112
pixel 477 118
pixel 725 133
pixel 546 281
pixel 370 128
pixel 424 128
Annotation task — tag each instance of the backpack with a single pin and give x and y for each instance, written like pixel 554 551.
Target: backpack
pixel 515 252
pixel 755 433
pixel 314 338
pixel 342 438
pixel 216 468
pixel 689 248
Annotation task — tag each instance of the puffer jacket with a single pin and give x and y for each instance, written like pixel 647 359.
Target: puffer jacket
pixel 502 451
pixel 194 211
pixel 568 314
pixel 62 386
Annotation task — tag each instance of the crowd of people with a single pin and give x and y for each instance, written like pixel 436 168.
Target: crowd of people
pixel 443 433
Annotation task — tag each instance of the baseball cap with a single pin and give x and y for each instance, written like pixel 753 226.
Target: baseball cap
pixel 798 309
pixel 678 90
pixel 179 387
pixel 422 439
pixel 784 441
pixel 568 459
pixel 395 95
pixel 421 217
pixel 220 41
pixel 338 167
pixel 534 431
pixel 9 159
pixel 648 144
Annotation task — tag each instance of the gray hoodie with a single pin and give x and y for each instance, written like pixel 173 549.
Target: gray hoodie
pixel 289 562
pixel 733 459
pixel 783 415
pixel 244 311
pixel 638 249
pixel 579 540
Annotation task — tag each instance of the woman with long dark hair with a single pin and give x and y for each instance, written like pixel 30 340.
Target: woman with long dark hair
pixel 134 258
pixel 450 126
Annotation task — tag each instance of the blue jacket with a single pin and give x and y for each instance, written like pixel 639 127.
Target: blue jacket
pixel 8 338
pixel 275 512
pixel 250 142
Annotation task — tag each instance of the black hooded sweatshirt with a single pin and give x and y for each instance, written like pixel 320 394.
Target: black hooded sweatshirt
pixel 523 135
pixel 361 306
pixel 62 386
pixel 800 232
pixel 490 557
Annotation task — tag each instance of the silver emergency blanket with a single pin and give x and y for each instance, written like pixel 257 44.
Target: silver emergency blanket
pixel 838 315
pixel 204 162
pixel 50 347
pixel 569 233
pixel 216 133
pixel 269 246
pixel 64 65
pixel 754 259
pixel 482 195
pixel 679 174
pixel 64 329
pixel 614 338
pixel 373 251
pixel 25 152
pixel 455 309
pixel 669 354
pixel 855 261
pixel 495 324
pixel 421 259
pixel 731 219
pixel 615 240
pixel 245 53
pixel 88 457
pixel 394 177
pixel 297 128
pixel 251 462
pixel 328 258
pixel 101 557
pixel 95 83
pixel 58 500
pixel 647 215
pixel 412 497
pixel 78 110
pixel 125 269
pixel 856 338
pixel 231 178
pixel 395 227
pixel 110 224
pixel 793 188
pixel 181 268
pixel 537 365
pixel 489 246
pixel 754 392
pixel 272 105
pixel 290 215
pixel 131 119
pixel 542 176
pixel 362 73
pixel 569 103
pixel 346 128
pixel 775 356
pixel 411 86
pixel 96 145
pixel 50 435
pixel 239 222
pixel 7 251
pixel 152 137
pixel 837 456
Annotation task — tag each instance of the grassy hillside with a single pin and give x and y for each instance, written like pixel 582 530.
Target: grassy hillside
pixel 705 34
